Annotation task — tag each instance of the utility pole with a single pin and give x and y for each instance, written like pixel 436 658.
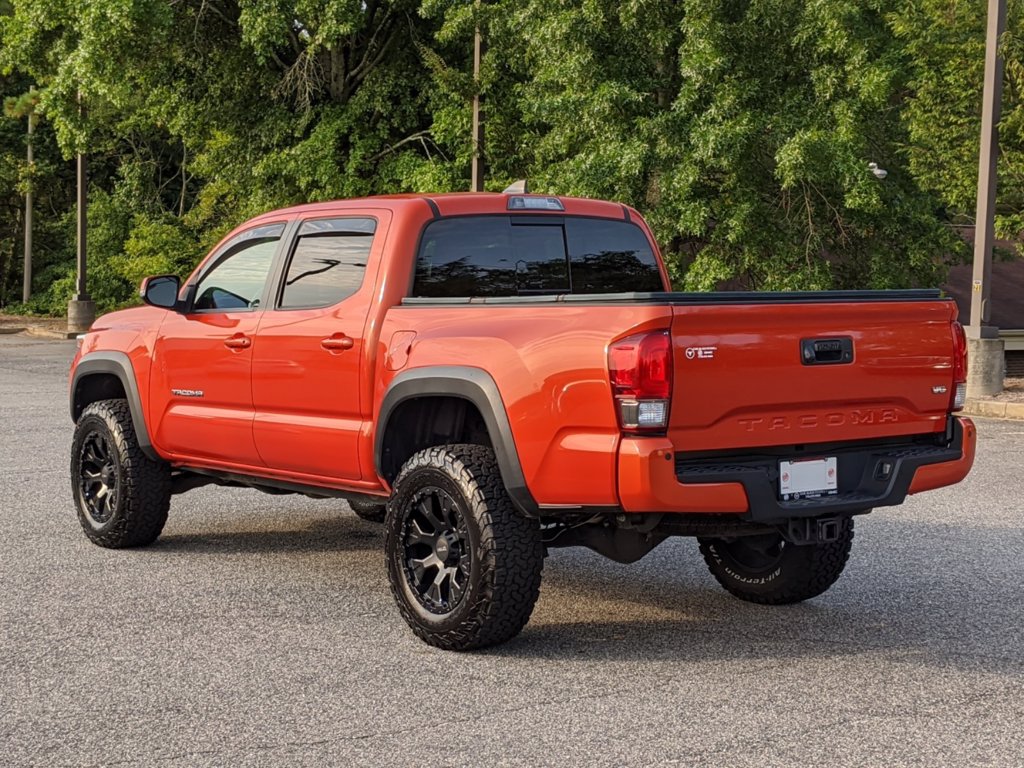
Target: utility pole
pixel 82 174
pixel 26 291
pixel 477 184
pixel 987 365
pixel 81 309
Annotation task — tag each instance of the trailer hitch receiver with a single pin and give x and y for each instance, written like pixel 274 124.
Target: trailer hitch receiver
pixel 815 530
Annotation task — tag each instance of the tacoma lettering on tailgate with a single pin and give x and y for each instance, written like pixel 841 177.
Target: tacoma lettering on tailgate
pixel 812 420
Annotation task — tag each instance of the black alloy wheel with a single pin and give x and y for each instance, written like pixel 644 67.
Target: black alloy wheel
pixel 99 479
pixel 757 555
pixel 769 570
pixel 121 494
pixel 438 555
pixel 463 563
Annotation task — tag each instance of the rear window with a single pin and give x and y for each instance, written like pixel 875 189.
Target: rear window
pixel 532 256
pixel 328 262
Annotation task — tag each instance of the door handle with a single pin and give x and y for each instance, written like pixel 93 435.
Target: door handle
pixel 238 341
pixel 339 342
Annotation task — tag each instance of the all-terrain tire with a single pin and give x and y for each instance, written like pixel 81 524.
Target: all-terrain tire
pixel 122 495
pixel 502 555
pixel 771 571
pixel 371 511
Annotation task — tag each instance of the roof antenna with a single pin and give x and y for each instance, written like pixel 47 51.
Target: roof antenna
pixel 516 188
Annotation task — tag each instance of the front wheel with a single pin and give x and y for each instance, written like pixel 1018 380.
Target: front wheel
pixel 121 494
pixel 769 570
pixel 464 564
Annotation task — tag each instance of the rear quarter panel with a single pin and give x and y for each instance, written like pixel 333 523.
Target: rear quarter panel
pixel 549 363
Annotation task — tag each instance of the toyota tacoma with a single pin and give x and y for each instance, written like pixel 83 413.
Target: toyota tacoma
pixel 496 375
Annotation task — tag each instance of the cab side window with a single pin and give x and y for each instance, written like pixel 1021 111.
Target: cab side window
pixel 492 256
pixel 328 262
pixel 238 277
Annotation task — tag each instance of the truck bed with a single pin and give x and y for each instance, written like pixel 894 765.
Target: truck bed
pixel 741 381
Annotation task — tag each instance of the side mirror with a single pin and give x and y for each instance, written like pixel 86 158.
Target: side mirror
pixel 160 291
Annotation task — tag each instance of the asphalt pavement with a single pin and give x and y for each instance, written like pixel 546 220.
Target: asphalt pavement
pixel 259 630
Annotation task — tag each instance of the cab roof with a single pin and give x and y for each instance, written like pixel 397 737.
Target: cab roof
pixel 460 204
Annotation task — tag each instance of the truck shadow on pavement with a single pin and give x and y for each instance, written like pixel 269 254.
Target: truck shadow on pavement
pixel 888 600
pixel 338 534
pixel 951 598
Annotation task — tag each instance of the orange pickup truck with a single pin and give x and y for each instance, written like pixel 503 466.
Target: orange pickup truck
pixel 494 375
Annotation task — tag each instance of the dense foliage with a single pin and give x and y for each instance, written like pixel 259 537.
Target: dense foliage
pixel 945 47
pixel 743 129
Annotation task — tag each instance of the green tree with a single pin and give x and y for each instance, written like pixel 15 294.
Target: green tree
pixel 51 180
pixel 945 44
pixel 744 130
pixel 200 113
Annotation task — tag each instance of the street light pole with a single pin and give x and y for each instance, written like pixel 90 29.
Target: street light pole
pixel 81 309
pixel 82 174
pixel 984 233
pixel 477 182
pixel 986 349
pixel 26 291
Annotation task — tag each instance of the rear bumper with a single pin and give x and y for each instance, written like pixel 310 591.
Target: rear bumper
pixel 652 478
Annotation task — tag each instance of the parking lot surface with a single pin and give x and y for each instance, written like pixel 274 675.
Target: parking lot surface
pixel 259 630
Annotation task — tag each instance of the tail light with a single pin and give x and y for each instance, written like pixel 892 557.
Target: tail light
pixel 959 368
pixel 640 370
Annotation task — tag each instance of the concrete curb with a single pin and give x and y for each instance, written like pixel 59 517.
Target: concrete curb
pixel 994 409
pixel 47 333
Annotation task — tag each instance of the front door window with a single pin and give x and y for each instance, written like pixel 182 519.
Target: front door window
pixel 236 281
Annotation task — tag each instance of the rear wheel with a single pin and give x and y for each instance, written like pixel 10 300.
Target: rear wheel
pixel 121 494
pixel 769 570
pixel 464 564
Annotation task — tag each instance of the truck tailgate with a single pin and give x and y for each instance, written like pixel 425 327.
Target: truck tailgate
pixel 790 371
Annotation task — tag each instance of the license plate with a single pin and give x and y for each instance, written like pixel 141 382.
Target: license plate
pixel 808 478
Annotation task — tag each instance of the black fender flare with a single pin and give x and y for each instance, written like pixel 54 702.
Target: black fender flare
pixel 476 386
pixel 119 365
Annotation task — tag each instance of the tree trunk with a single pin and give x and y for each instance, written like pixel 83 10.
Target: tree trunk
pixel 336 74
pixel 184 181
